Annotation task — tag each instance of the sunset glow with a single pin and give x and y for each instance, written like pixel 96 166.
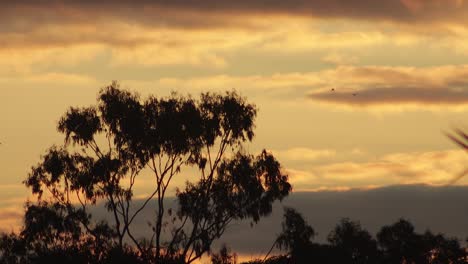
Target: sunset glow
pixel 351 94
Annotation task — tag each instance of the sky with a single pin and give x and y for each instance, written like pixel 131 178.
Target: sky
pixel 352 94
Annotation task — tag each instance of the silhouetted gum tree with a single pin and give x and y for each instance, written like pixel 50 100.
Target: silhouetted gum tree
pixel 296 235
pixel 107 147
pixel 400 244
pixel 353 244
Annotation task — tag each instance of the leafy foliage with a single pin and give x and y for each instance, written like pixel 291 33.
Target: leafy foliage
pixel 109 145
pixel 354 243
pixel 296 235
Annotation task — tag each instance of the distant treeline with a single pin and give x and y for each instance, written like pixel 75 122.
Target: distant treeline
pixel 49 238
pixel 350 243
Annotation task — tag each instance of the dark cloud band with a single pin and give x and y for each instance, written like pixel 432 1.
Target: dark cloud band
pixel 395 95
pixel 435 208
pixel 212 13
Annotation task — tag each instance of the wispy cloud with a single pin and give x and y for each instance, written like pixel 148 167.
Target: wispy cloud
pixel 164 24
pixel 373 86
pixel 434 168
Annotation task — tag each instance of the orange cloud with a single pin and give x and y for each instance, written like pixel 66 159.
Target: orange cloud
pixel 433 168
pixel 44 35
pixel 169 31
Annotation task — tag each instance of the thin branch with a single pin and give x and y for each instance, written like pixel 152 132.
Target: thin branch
pixel 269 251
pixel 143 206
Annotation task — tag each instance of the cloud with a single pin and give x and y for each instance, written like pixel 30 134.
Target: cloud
pixel 164 55
pixel 138 46
pixel 39 26
pixel 375 86
pixel 40 34
pixel 440 209
pixel 434 168
pixel 214 13
pixel 120 42
pixel 210 33
pixel 397 95
pixel 129 24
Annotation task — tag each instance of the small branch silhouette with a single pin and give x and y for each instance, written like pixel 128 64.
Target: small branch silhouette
pixel 458 137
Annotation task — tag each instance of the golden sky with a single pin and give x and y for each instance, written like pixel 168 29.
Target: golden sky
pixel 398 70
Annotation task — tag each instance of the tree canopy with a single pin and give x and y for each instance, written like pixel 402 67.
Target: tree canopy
pixel 108 146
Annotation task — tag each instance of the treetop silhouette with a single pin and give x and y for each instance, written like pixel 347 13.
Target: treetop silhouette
pixel 109 145
pixel 348 242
